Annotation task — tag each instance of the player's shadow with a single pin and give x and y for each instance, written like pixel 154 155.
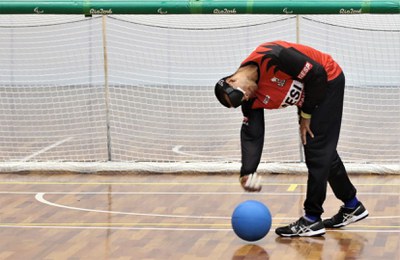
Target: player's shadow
pixel 250 251
pixel 305 246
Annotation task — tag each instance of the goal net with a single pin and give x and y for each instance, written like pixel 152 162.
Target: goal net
pixel 136 93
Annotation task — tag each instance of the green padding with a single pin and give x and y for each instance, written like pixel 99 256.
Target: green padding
pixel 88 7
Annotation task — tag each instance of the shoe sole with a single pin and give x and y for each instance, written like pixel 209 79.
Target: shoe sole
pixel 308 234
pixel 352 220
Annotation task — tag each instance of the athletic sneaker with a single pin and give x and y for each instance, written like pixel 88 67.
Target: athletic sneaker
pixel 302 228
pixel 346 216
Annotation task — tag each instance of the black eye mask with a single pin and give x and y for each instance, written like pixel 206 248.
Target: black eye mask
pixel 235 95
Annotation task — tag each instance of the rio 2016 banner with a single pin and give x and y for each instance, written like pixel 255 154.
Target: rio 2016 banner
pixel 200 7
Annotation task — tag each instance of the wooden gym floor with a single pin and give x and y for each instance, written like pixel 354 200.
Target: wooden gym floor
pixel 122 216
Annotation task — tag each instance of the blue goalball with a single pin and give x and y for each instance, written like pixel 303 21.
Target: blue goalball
pixel 251 220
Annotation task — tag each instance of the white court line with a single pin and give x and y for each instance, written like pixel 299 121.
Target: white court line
pixel 45 149
pixel 40 198
pixel 184 229
pixel 177 149
pixel 118 228
pixel 186 193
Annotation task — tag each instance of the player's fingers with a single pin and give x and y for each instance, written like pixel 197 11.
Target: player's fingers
pixel 258 183
pixel 253 181
pixel 303 137
pixel 248 181
pixel 310 132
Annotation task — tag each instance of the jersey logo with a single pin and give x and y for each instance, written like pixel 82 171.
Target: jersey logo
pixel 305 70
pixel 294 94
pixel 279 82
pixel 266 99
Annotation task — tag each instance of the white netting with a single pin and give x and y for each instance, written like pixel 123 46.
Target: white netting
pixel 157 109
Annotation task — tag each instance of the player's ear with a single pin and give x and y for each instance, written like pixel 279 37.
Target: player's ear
pixel 230 80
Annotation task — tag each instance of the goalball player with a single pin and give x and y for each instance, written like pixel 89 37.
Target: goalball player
pixel 279 74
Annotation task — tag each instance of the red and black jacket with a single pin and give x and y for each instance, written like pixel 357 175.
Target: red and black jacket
pixel 291 74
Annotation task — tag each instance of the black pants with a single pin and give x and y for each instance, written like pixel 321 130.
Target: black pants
pixel 322 160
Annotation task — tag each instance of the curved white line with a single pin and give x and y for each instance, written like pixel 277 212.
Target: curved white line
pixel 40 197
pixel 177 150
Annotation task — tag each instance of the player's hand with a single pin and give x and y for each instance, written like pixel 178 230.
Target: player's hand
pixel 305 129
pixel 251 182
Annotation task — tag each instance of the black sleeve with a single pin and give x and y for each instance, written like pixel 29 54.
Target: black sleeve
pixel 306 70
pixel 251 138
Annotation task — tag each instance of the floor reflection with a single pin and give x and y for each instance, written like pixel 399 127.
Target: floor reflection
pixel 351 244
pixel 250 251
pixel 341 244
pixel 307 247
